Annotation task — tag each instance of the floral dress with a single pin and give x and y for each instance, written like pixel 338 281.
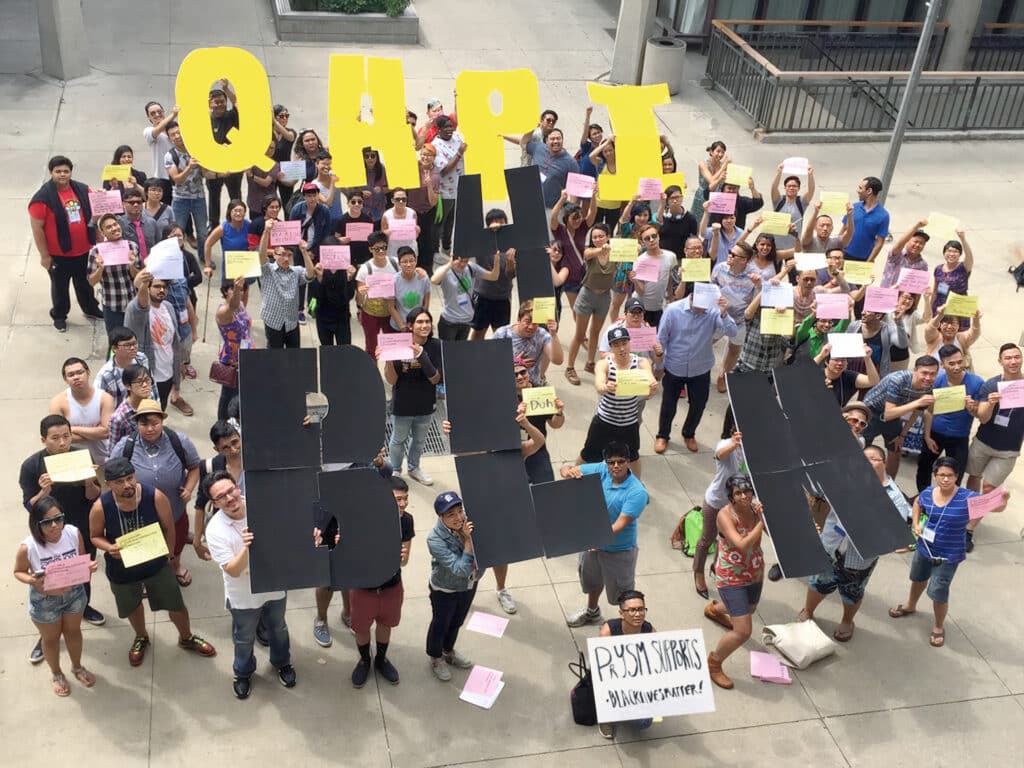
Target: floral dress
pixel 236 335
pixel 736 567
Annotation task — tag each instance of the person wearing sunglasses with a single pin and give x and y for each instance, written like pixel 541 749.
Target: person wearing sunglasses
pixel 611 569
pixel 400 211
pixel 55 612
pixel 652 292
pixel 632 621
pixel 843 382
pixel 375 313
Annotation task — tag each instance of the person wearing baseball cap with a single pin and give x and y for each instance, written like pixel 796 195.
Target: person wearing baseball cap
pixel 317 225
pixel 632 319
pixel 453 580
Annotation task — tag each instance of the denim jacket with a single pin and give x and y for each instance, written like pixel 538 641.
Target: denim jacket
pixel 451 567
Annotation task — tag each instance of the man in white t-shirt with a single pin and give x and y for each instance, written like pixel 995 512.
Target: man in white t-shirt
pixel 152 319
pixel 156 137
pixel 229 538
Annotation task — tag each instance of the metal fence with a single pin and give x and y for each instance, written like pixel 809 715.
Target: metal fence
pixel 825 51
pixel 999 49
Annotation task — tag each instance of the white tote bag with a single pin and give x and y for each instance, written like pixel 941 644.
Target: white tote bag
pixel 799 644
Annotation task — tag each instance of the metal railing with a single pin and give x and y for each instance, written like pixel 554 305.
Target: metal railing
pixel 1000 48
pixel 846 101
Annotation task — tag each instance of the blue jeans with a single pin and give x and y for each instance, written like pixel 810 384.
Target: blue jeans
pixel 243 632
pixel 184 207
pixel 407 436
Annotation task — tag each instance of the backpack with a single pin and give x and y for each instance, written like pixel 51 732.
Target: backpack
pixel 782 202
pixel 1018 275
pixel 179 450
pixel 688 532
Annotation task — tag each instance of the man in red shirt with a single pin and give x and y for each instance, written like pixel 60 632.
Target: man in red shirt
pixel 63 233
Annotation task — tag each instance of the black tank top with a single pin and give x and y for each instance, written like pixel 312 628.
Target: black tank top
pixel 117 522
pixel 615 626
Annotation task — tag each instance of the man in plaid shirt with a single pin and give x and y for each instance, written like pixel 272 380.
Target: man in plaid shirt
pixel 115 280
pixel 899 394
pixel 280 291
pixel 124 349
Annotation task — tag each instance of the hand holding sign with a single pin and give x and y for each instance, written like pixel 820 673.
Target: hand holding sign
pixel 623 249
pixel 775 223
pixel 960 306
pixel 115 253
pixel 395 346
pixel 106 201
pixel 832 306
pixel 335 257
pixel 649 189
pixel 241 264
pixel 739 175
pixel 913 280
pixel 381 285
pixel 993 501
pixel 695 270
pixel 881 300
pixel 858 272
pixel 949 399
pixel 285 233
pixel 776 322
pixel 358 231
pixel 1011 394
pixel 722 202
pixel 647 269
pixel 69 467
pixel 834 204
pixel 61 574
pixel 540 401
pixel 142 545
pixel 642 339
pixel 580 185
pixel 632 383
pixel 402 230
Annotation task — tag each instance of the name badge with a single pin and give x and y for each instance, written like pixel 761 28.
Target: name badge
pixel 183 317
pixel 463 300
pixel 1002 421
pixel 928 534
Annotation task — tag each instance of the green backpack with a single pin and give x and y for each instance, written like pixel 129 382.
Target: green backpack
pixel 693 526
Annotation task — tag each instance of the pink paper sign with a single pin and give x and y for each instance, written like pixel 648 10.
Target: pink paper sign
pixel 357 231
pixel 649 189
pixel 336 257
pixel 482 681
pixel 381 286
pixel 642 339
pixel 104 201
pixel 580 185
pixel 767 668
pixel 286 233
pixel 115 252
pixel 832 306
pixel 979 506
pixel 68 572
pixel 487 624
pixel 1011 394
pixel 647 269
pixel 722 202
pixel 913 280
pixel 881 299
pixel 402 230
pixel 395 346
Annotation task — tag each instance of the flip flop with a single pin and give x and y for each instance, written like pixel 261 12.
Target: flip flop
pixel 84 676
pixel 899 612
pixel 60 685
pixel 184 578
pixel 937 639
pixel 842 636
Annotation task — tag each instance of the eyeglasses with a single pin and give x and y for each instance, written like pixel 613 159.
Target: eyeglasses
pixel 945 476
pixel 634 611
pixel 615 462
pixel 379 248
pixel 52 521
pixel 522 373
pixel 133 202
pixel 283 114
pixel 355 201
pixel 141 383
pixel 159 288
pixel 399 199
pixel 223 496
pixel 128 345
pixel 737 255
pixel 649 238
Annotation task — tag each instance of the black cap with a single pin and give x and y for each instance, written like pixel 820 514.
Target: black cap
pixel 617 333
pixel 117 467
pixel 634 303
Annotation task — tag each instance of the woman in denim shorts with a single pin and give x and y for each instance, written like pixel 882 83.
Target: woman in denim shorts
pixel 55 612
pixel 739 572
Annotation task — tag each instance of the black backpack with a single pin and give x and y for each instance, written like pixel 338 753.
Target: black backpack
pixel 1018 275
pixel 179 450
pixel 581 698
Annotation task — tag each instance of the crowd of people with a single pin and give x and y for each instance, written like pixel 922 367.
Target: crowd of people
pixel 646 327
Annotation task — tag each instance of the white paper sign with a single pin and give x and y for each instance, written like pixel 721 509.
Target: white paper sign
pixel 165 261
pixel 293 170
pixel 780 296
pixel 806 261
pixel 653 675
pixel 705 295
pixel 795 166
pixel 846 345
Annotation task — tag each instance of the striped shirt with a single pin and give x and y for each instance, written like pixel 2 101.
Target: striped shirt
pixel 619 411
pixel 948 523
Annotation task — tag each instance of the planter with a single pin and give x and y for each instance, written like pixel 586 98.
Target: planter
pixel 326 27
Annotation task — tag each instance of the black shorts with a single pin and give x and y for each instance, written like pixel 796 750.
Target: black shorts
pixel 601 433
pixel 491 313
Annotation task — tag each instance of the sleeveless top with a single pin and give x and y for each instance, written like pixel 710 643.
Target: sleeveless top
pixel 88 415
pixel 615 410
pixel 234 239
pixel 236 335
pixel 116 523
pixel 615 627
pixel 598 277
pixel 41 555
pixel 736 567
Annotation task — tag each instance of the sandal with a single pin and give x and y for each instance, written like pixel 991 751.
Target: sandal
pixel 60 685
pixel 189 371
pixel 84 676
pixel 184 578
pixel 937 639
pixel 572 376
pixel 196 644
pixel 720 383
pixel 182 405
pixel 841 635
pixel 899 612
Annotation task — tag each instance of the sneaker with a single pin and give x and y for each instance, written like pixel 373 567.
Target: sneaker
pixel 421 477
pixel 607 730
pixel 137 653
pixel 61 326
pixel 242 686
pixel 457 660
pixel 261 637
pixel 386 669
pixel 346 619
pixel 93 616
pixel 94 314
pixel 302 318
pixel 322 633
pixel 197 645
pixel 361 673
pixel 37 652
pixel 190 372
pixel 440 670
pixel 970 541
pixel 774 573
pixel 584 616
pixel 508 605
pixel 286 675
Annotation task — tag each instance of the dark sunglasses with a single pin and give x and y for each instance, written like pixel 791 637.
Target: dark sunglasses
pixel 50 522
pixel 521 373
pixel 649 238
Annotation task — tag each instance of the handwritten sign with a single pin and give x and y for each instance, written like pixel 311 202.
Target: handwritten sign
pixel 166 261
pixel 949 399
pixel 293 170
pixel 104 201
pixel 881 299
pixel 487 623
pixel 381 285
pixel 141 546
pixel 722 202
pixel 776 322
pixel 960 306
pixel 979 506
pixel 650 675
pixel 395 346
pixel 858 272
pixel 941 227
pixel 913 280
pixel 1011 394
pixel 846 345
pixel 775 223
pixel 402 230
pixel 358 231
pixel 336 257
pixel 832 306
pixel 539 401
pixel 780 295
pixel 543 309
pixel 69 467
pixel 695 270
pixel 623 249
pixel 768 669
pixel 834 204
pixel 642 339
pixel 705 295
pixel 795 166
pixel 649 189
pixel 738 175
pixel 285 233
pixel 580 185
pixel 115 253
pixel 632 383
pixel 61 574
pixel 241 264
pixel 647 269
pixel 808 261
pixel 482 687
pixel 117 172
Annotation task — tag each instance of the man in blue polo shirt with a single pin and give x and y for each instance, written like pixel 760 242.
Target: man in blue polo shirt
pixel 611 568
pixel 870 222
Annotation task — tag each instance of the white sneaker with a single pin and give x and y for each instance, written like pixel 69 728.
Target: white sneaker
pixel 607 730
pixel 440 670
pixel 508 605
pixel 583 617
pixel 421 477
pixel 456 659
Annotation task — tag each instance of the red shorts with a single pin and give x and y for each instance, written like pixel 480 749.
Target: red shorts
pixel 383 606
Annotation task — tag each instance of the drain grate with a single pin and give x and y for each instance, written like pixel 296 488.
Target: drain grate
pixel 436 443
